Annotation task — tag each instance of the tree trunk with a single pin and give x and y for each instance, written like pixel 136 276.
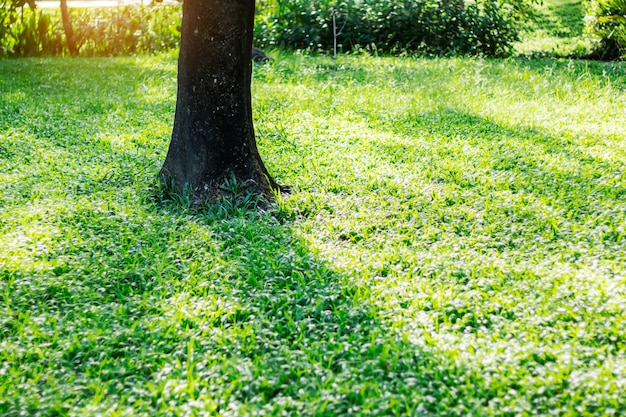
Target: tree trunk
pixel 67 27
pixel 213 136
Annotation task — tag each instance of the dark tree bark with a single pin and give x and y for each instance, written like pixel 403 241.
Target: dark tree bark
pixel 67 27
pixel 213 135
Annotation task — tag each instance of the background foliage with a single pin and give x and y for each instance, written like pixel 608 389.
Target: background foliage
pixel 24 32
pixel 606 22
pixel 447 27
pixel 98 31
pixel 389 26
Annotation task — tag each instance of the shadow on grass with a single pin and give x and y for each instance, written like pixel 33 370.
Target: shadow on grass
pixel 51 96
pixel 80 126
pixel 159 310
pixel 110 303
pixel 557 170
pixel 570 15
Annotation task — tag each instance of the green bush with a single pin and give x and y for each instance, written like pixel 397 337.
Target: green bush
pixel 8 17
pixel 27 32
pixel 444 27
pixel 389 26
pixel 127 30
pixel 97 31
pixel 606 23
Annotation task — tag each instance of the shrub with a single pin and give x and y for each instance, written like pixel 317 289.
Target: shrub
pixel 97 31
pixel 26 32
pixel 389 26
pixel 126 30
pixel 606 23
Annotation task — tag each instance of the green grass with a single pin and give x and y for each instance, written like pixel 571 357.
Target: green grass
pixel 454 243
pixel 555 29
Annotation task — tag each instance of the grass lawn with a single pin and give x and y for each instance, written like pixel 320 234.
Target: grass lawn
pixel 555 29
pixel 455 243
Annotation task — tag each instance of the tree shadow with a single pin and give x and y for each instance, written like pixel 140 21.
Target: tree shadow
pixel 113 302
pixel 156 307
pixel 556 169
